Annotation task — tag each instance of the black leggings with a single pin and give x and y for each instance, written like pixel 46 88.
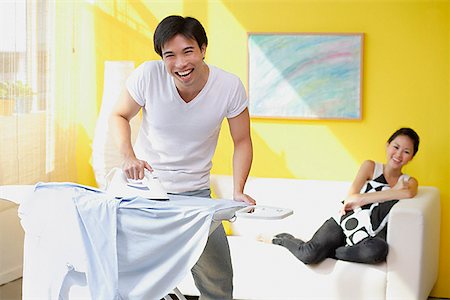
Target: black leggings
pixel 329 241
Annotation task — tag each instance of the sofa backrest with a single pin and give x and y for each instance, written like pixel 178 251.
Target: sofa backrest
pixel 313 201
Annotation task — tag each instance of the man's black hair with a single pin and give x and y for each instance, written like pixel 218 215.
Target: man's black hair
pixel 172 25
pixel 409 133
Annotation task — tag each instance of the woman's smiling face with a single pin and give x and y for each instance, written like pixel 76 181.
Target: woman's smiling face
pixel 399 151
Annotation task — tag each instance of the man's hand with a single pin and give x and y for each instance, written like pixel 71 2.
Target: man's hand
pixel 244 198
pixel 134 168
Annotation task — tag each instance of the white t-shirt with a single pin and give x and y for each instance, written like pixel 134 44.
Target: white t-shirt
pixel 178 139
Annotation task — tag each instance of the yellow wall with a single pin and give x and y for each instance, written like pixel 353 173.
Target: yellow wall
pixel 405 83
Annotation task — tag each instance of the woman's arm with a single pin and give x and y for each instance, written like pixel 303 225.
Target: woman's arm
pixel 402 190
pixel 365 173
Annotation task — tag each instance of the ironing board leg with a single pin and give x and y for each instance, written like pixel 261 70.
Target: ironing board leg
pixel 168 297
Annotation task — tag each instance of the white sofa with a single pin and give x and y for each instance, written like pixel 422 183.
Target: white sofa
pixel 266 271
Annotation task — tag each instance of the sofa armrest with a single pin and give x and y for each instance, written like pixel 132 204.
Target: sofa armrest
pixel 11 242
pixel 413 238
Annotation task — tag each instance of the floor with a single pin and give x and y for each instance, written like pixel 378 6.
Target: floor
pixel 12 291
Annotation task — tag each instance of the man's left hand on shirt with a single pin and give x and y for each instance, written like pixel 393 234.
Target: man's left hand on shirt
pixel 244 198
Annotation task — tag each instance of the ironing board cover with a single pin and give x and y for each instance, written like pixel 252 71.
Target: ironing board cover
pixel 131 248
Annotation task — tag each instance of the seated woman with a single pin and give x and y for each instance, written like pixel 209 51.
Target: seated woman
pixel 358 234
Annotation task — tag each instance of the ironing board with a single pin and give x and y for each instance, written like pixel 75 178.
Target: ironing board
pixel 58 263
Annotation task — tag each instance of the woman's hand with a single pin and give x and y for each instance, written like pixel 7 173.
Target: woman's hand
pixel 401 185
pixel 406 188
pixel 351 202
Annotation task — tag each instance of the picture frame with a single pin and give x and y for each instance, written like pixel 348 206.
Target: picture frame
pixel 305 75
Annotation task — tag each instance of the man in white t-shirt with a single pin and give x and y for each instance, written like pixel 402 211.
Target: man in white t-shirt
pixel 184 101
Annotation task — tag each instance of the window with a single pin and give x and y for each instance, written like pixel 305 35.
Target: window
pixel 25 91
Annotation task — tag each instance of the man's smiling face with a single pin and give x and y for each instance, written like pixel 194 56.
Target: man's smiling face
pixel 184 62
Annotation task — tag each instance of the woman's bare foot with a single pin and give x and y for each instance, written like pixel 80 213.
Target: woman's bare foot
pixel 264 238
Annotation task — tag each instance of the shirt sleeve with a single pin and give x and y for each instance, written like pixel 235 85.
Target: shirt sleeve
pixel 239 101
pixel 136 83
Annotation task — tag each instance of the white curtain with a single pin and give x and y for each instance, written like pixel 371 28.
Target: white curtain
pixel 32 147
pixel 105 153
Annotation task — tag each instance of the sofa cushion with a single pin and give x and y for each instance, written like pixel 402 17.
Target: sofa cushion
pixel 267 271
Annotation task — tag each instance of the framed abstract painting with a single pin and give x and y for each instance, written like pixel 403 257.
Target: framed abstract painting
pixel 305 76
